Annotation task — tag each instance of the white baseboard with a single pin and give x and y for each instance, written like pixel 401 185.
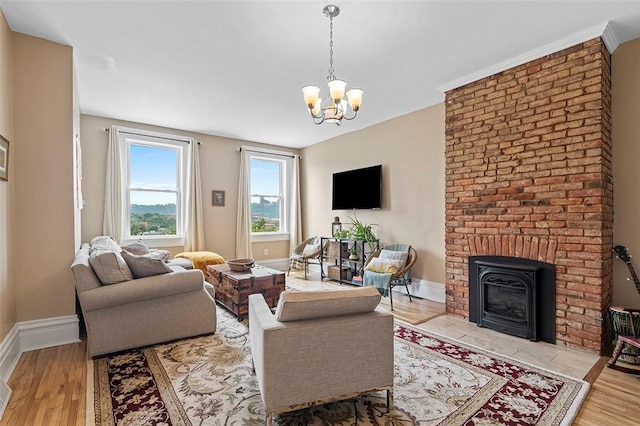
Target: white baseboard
pixel 40 334
pixel 32 335
pixel 281 264
pixel 425 290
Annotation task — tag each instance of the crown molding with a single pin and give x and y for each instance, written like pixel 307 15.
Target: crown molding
pixel 602 30
pixel 610 38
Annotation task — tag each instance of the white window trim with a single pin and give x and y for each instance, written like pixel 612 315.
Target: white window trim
pixel 287 159
pixel 151 138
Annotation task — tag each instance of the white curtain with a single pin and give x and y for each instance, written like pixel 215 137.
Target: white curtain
pixel 295 225
pixel 194 238
pixel 112 218
pixel 243 225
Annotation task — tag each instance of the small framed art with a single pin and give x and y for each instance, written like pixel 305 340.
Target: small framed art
pixel 217 198
pixel 4 158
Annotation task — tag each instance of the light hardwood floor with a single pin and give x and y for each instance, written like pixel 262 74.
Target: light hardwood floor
pixel 49 385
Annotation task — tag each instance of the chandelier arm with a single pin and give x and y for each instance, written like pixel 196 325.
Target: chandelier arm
pixel 355 113
pixel 318 119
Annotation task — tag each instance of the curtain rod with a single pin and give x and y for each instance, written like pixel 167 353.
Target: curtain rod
pixel 106 129
pixel 270 153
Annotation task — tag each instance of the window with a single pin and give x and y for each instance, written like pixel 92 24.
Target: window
pixel 154 182
pixel 270 184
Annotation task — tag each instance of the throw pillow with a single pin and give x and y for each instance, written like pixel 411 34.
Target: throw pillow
pixel 137 247
pixel 158 254
pixel 309 249
pixel 388 266
pixel 394 255
pixel 143 266
pixel 104 243
pixel 109 267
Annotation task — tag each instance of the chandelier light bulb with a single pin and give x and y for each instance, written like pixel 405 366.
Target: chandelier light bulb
pixel 336 89
pixel 311 94
pixel 355 98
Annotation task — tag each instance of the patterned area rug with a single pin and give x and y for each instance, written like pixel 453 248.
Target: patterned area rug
pixel 208 380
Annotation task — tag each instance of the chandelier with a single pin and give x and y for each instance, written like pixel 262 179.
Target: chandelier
pixel 333 109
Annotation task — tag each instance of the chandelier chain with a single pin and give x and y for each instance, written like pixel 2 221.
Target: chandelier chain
pixel 331 77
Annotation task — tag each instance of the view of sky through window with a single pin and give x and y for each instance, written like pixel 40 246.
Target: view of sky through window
pixel 265 178
pixel 153 168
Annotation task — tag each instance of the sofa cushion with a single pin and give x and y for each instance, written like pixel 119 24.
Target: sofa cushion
pixel 180 261
pixel 143 266
pixel 301 305
pixel 137 247
pixel 109 266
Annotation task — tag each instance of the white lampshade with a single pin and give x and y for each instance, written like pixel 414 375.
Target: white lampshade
pixel 311 94
pixel 316 108
pixel 355 98
pixel 336 89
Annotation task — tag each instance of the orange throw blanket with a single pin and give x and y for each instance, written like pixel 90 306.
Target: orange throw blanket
pixel 201 259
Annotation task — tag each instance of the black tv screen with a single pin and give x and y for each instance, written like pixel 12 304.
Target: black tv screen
pixel 358 189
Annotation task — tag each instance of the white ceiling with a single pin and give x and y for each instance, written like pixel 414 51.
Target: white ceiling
pixel 236 68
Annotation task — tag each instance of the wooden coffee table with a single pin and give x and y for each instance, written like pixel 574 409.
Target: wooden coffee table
pixel 233 288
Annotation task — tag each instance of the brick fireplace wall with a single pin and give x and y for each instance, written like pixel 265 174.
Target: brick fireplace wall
pixel 528 174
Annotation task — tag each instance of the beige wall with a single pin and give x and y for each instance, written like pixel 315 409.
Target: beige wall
pixel 219 166
pixel 7 287
pixel 36 115
pixel 411 151
pixel 42 175
pixel 625 78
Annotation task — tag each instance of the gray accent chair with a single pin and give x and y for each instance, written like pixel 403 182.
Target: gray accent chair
pixel 319 347
pixel 144 311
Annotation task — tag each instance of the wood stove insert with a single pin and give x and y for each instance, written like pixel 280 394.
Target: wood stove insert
pixel 513 295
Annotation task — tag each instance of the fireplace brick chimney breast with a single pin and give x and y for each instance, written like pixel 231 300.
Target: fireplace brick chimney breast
pixel 528 174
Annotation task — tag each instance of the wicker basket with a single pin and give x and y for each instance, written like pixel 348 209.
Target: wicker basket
pixel 333 272
pixel 333 250
pixel 239 265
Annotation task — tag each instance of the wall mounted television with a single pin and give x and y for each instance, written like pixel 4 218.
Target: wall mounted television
pixel 357 189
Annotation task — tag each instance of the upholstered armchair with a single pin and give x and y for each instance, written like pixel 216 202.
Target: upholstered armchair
pixel 319 347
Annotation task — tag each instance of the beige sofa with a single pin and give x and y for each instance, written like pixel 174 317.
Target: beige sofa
pixel 138 312
pixel 320 347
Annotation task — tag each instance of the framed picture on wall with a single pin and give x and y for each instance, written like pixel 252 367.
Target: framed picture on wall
pixel 4 158
pixel 217 198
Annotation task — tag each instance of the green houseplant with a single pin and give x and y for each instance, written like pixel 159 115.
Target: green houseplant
pixel 362 231
pixel 353 252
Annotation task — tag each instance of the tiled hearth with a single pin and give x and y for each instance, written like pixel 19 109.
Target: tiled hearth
pixel 528 174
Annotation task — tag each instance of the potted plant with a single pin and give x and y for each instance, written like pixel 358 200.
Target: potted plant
pixel 362 231
pixel 353 252
pixel 341 234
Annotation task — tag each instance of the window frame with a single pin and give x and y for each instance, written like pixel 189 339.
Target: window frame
pixel 286 176
pixel 129 137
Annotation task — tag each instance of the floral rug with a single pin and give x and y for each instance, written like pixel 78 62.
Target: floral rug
pixel 208 380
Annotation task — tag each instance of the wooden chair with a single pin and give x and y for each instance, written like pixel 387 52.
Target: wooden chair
pixel 624 340
pixel 300 256
pixel 403 276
